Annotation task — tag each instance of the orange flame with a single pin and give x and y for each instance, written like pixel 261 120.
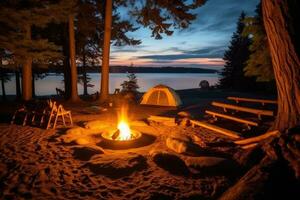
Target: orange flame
pixel 123 126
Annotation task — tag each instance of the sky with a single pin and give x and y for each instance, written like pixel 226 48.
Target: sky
pixel 201 45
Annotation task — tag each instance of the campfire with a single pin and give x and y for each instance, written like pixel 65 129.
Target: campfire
pixel 123 132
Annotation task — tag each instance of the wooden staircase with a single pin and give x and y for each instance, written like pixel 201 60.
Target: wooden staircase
pixel 246 143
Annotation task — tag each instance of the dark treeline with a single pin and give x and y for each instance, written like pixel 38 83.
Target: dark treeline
pixel 248 63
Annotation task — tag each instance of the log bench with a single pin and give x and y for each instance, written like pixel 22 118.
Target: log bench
pixel 258 112
pixel 229 133
pixel 262 101
pixel 254 141
pixel 168 121
pixel 248 123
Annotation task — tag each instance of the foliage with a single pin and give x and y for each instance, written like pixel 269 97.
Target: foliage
pixel 130 85
pixel 162 17
pixel 20 21
pixel 235 58
pixel 259 63
pixel 204 84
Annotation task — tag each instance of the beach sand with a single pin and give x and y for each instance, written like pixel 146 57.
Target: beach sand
pixel 61 164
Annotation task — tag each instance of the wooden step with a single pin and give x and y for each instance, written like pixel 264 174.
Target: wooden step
pixel 243 121
pixel 262 101
pixel 258 112
pixel 217 129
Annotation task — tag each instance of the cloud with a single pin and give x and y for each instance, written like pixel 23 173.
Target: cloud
pixel 200 45
pixel 208 52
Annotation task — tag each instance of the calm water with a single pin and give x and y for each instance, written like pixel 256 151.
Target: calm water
pixel 177 81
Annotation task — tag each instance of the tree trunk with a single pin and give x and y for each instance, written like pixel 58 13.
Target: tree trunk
pixel 85 91
pixel 2 81
pixel 33 86
pixel 18 84
pixel 286 63
pixel 106 48
pixel 74 90
pixel 3 89
pixel 27 72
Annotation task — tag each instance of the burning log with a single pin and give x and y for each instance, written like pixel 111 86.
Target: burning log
pixel 116 135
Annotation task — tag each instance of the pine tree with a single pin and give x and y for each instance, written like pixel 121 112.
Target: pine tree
pixel 235 58
pixel 130 85
pixel 259 63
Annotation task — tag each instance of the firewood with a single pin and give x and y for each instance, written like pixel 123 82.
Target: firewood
pixel 115 135
pixel 258 138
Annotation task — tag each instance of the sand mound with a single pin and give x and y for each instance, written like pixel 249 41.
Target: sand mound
pixel 183 144
pixel 211 165
pixel 85 153
pixel 171 163
pixel 119 167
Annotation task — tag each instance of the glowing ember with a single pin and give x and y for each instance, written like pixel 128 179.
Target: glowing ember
pixel 124 131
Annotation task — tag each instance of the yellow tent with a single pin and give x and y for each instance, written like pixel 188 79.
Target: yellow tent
pixel 161 95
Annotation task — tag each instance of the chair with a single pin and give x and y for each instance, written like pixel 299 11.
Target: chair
pixel 56 112
pixel 60 92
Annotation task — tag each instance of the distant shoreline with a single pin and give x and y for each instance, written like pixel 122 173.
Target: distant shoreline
pixel 126 69
pixel 123 69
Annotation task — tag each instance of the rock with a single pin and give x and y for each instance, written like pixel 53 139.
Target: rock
pixel 96 124
pixel 182 137
pixel 171 163
pixel 76 131
pixel 201 162
pixel 184 122
pixel 199 141
pixel 183 144
pixel 211 165
pixel 83 141
pixel 204 84
pixel 184 114
pixel 179 146
pixel 72 134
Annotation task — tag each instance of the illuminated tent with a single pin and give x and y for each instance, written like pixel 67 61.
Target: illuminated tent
pixel 161 95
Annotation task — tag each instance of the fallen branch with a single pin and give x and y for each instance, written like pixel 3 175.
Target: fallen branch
pixel 257 138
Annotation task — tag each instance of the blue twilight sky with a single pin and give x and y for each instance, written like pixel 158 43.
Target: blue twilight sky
pixel 201 45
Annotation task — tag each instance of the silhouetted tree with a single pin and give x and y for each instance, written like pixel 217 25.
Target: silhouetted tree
pixel 130 85
pixel 259 63
pixel 235 59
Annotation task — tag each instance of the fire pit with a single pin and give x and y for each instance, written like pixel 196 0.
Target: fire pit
pixel 123 136
pixel 118 136
pixel 123 133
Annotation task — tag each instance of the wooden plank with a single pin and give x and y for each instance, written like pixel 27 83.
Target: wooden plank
pixel 257 138
pixel 168 121
pixel 263 101
pixel 161 118
pixel 249 146
pixel 244 121
pixel 223 131
pixel 243 109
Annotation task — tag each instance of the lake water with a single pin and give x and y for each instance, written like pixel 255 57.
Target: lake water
pixel 176 81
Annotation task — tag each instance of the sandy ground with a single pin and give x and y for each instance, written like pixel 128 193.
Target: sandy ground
pixel 61 164
pixel 38 164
